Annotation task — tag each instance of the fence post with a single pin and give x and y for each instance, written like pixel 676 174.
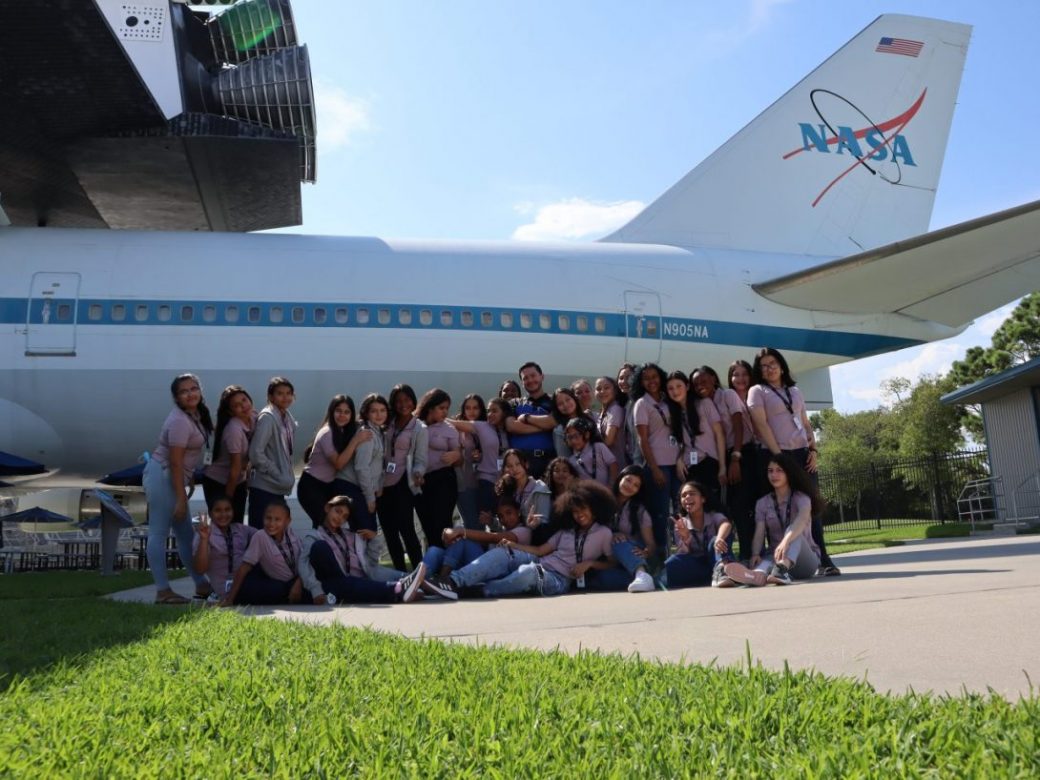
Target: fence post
pixel 877 495
pixel 937 490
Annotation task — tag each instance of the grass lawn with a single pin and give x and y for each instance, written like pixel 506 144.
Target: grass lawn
pixel 848 537
pixel 121 690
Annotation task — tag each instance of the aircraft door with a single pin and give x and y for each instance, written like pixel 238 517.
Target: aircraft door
pixel 642 327
pixel 51 317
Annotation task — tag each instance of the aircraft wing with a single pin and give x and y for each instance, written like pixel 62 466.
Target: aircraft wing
pixel 948 276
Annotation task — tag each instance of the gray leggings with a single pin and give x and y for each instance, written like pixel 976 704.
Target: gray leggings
pixel 806 562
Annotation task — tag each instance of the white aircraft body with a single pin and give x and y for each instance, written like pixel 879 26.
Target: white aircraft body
pixel 805 231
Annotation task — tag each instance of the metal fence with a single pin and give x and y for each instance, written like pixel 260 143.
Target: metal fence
pixel 909 491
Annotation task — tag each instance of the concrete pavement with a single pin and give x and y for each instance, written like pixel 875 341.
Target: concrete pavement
pixel 941 616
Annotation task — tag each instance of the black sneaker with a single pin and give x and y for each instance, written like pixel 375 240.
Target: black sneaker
pixel 444 588
pixel 779 575
pixel 411 582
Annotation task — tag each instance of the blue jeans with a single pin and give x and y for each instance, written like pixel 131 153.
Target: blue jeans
pixel 454 556
pixel 688 571
pixel 507 572
pixel 161 501
pixel 468 510
pixel 347 588
pixel 660 501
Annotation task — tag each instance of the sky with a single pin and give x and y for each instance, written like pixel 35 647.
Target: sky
pixel 545 119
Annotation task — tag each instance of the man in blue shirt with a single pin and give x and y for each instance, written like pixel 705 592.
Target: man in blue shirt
pixel 535 409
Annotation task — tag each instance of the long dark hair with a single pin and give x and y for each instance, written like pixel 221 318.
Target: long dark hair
pixel 224 414
pixel 482 415
pixel 505 484
pixel 798 479
pixel 553 464
pixel 742 364
pixel 340 436
pixel 637 381
pixel 584 493
pixel 431 398
pixel 400 389
pixel 711 503
pixel 710 372
pixel 620 396
pixel 205 418
pixel 692 417
pixel 785 373
pixel 556 413
pixel 634 505
pixel 503 406
pixel 368 402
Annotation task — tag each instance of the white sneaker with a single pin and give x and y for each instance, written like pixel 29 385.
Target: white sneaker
pixel 643 583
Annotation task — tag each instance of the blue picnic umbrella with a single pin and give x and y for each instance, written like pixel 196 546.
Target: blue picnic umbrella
pixel 35 515
pixel 14 466
pixel 112 518
pixel 128 477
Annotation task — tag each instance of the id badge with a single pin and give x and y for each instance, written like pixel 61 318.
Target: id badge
pixel 691 458
pixel 207 457
pixel 391 468
pixel 798 422
pixel 330 599
pixel 580 582
pixel 673 441
pixel 499 463
pixel 227 585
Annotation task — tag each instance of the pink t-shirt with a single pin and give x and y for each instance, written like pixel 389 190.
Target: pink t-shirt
pixel 220 567
pixel 705 441
pixel 443 439
pixel 276 561
pixel 745 416
pixel 700 541
pixel 398 443
pixel 598 543
pixel 777 522
pixel 594 462
pixel 182 430
pixel 522 534
pixel 493 444
pixel 345 548
pixel 322 465
pixel 624 522
pixel 233 441
pixel 727 403
pixel 614 417
pixel 786 425
pixel 465 471
pixel 656 417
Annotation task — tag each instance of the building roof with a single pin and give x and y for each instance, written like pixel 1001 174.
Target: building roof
pixel 998 385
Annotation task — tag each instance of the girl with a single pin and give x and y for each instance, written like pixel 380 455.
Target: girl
pixel 560 474
pixel 510 390
pixel 531 494
pixel 406 455
pixel 216 554
pixel 168 483
pixel 565 408
pixel 226 475
pixel 743 469
pixel 633 538
pixel 593 460
pixel 702 535
pixel 333 447
pixel 583 543
pixel 625 376
pixel 268 572
pixel 271 450
pixel 784 518
pixel 333 563
pixel 436 504
pixel 658 445
pixel 782 424
pixel 583 392
pixel 473 410
pixel 362 477
pixel 611 423
pixel 696 424
pixel 462 545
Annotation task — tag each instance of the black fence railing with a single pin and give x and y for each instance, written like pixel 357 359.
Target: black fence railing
pixel 909 491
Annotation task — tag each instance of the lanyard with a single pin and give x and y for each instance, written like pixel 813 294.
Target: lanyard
pixel 201 430
pixel 577 458
pixel 786 520
pixel 786 398
pixel 625 508
pixel 396 433
pixel 341 544
pixel 579 544
pixel 229 541
pixel 503 442
pixel 290 556
pixel 287 441
pixel 661 414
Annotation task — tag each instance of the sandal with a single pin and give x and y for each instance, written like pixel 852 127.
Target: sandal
pixel 170 598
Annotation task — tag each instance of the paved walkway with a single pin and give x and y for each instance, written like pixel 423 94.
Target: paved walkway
pixel 939 616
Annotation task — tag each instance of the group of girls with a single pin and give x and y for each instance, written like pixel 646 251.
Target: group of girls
pixel 683 460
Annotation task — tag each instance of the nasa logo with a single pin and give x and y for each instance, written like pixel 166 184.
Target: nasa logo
pixel 847 140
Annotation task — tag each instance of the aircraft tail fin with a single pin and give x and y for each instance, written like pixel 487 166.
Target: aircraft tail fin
pixel 948 276
pixel 847 160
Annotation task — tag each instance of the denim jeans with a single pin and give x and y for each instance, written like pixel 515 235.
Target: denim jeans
pixel 347 588
pixel 161 501
pixel 454 556
pixel 660 501
pixel 468 510
pixel 506 572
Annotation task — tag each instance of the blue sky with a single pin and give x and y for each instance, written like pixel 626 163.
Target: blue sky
pixel 495 120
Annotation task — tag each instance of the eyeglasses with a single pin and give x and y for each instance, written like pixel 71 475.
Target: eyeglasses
pixel 189 390
pixel 769 366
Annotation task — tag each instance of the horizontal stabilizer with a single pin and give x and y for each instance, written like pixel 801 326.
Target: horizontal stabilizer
pixel 948 276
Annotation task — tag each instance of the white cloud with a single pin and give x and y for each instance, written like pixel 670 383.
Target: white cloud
pixel 723 41
pixel 340 117
pixel 574 218
pixel 988 325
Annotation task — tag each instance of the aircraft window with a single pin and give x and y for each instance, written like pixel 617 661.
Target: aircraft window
pixel 651 327
pixel 425 317
pixel 141 312
pixel 276 314
pixel 362 316
pixel 446 318
pixel 187 313
pixel 165 312
pixel 297 314
pixel 404 316
pixel 467 319
pixel 64 312
pixel 94 312
pixel 601 324
pixel 582 322
pixel 253 314
pixel 544 321
pixel 118 312
pixel 320 315
pixel 209 313
pixel 486 320
pixel 231 313
pixel 506 318
pixel 526 320
pixel 341 316
pixel 383 316
pixel 564 322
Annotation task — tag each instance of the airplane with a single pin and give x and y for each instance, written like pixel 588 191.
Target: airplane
pixel 806 231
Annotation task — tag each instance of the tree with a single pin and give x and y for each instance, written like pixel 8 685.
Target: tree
pixel 850 444
pixel 1019 334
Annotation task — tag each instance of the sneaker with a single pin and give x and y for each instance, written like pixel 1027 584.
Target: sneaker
pixel 642 583
pixel 411 582
pixel 719 578
pixel 779 575
pixel 443 588
pixel 828 571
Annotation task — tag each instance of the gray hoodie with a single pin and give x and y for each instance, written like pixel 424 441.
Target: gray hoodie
pixel 272 468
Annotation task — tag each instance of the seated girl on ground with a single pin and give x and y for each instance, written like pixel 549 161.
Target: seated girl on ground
pixel 333 563
pixel 267 573
pixel 463 545
pixel 582 543
pixel 703 536
pixel 633 541
pixel 216 554
pixel 783 517
pixel 592 459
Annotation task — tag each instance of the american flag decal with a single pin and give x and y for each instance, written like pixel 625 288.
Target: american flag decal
pixel 899 46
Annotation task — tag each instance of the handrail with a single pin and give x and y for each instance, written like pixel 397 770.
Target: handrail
pixel 970 502
pixel 1018 488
